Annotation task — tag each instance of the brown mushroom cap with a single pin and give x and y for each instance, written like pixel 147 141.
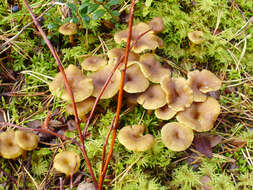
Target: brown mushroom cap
pixel 26 140
pixel 179 94
pixel 202 82
pixel 200 116
pixel 115 54
pixel 132 139
pixel 153 98
pixel 196 37
pixel 99 78
pixel 165 113
pixel 93 63
pixel 9 148
pixel 152 69
pixel 82 107
pixel 135 81
pixel 67 162
pixel 176 136
pixel 156 24
pixel 146 42
pixel 81 86
pixel 68 29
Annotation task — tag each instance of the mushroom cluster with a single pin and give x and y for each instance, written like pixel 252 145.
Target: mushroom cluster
pixel 15 143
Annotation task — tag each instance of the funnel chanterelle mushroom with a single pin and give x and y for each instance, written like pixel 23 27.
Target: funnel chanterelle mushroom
pixel 176 136
pixel 68 29
pixel 82 107
pixel 26 140
pixel 132 139
pixel 200 116
pixel 202 82
pixel 93 63
pixel 196 37
pixel 80 85
pixel 156 24
pixel 165 113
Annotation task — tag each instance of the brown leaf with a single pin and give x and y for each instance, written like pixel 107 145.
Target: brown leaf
pixel 203 145
pixel 214 140
pixel 205 181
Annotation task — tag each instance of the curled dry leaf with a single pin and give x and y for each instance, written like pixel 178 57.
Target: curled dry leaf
pixel 203 145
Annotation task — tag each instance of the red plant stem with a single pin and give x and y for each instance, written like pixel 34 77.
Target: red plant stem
pixel 120 96
pixel 68 89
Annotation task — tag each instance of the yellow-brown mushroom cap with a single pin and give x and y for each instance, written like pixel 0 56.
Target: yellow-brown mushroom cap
pixel 156 24
pixel 202 82
pixel 99 78
pixel 200 116
pixel 82 107
pixel 152 69
pixel 135 81
pixel 146 42
pixel 93 63
pixel 165 113
pixel 153 98
pixel 132 139
pixel 196 37
pixel 179 94
pixel 26 140
pixel 176 136
pixel 68 29
pixel 80 85
pixel 9 148
pixel 67 162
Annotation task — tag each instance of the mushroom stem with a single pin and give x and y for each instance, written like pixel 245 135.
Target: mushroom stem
pixel 71 39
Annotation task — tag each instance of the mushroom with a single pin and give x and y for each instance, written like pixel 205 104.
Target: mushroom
pixel 202 82
pixel 132 139
pixel 179 95
pixel 146 42
pixel 67 162
pixel 99 78
pixel 176 136
pixel 152 69
pixel 80 85
pixel 9 148
pixel 156 24
pixel 165 113
pixel 200 116
pixel 116 53
pixel 68 29
pixel 135 81
pixel 196 37
pixel 93 63
pixel 154 97
pixel 26 140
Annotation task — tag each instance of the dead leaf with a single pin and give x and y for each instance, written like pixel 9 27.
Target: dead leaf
pixel 205 181
pixel 203 145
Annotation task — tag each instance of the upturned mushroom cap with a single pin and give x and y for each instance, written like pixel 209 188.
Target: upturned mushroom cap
pixel 67 162
pixel 135 81
pixel 156 24
pixel 179 95
pixel 146 42
pixel 200 116
pixel 152 69
pixel 165 113
pixel 99 78
pixel 26 140
pixel 153 98
pixel 202 82
pixel 176 136
pixel 9 148
pixel 82 107
pixel 81 86
pixel 93 63
pixel 68 29
pixel 132 139
pixel 115 54
pixel 196 37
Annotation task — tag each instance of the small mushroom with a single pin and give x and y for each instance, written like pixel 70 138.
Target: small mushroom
pixel 93 63
pixel 9 148
pixel 26 140
pixel 179 94
pixel 152 69
pixel 196 37
pixel 165 113
pixel 67 162
pixel 99 78
pixel 135 81
pixel 156 24
pixel 81 86
pixel 200 116
pixel 176 136
pixel 69 29
pixel 202 82
pixel 153 98
pixel 82 107
pixel 132 139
